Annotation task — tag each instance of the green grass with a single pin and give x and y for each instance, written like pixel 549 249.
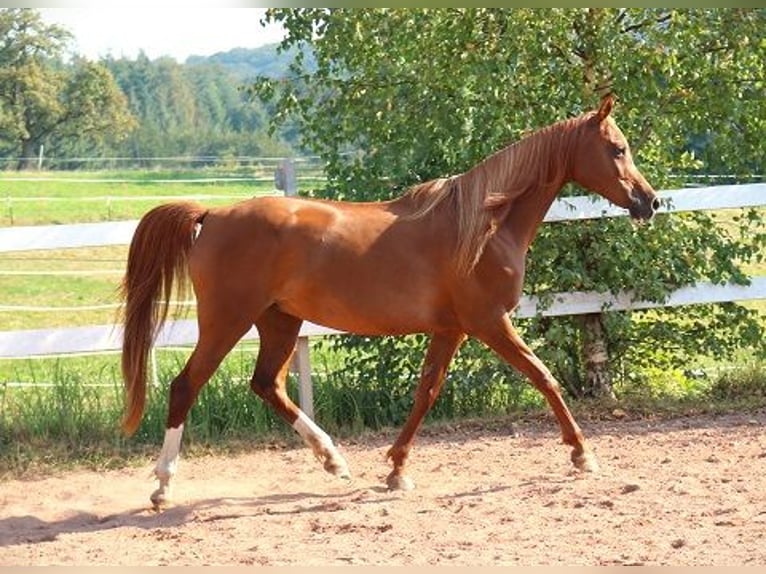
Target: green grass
pixel 83 197
pixel 30 286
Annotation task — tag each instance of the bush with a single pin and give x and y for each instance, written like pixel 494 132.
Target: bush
pixel 747 384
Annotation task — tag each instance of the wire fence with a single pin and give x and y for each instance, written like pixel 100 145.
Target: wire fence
pixel 117 190
pixel 196 162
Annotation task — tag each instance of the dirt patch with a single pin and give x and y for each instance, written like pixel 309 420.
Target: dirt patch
pixel 686 491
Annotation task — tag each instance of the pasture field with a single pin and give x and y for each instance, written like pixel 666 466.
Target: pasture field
pixel 82 197
pixel 71 279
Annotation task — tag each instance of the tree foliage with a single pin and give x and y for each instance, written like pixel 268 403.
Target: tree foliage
pixel 128 108
pixel 190 110
pixel 43 101
pixel 401 96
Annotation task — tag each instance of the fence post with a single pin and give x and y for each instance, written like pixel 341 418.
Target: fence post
pixel 302 363
pixel 285 180
pixel 286 173
pixel 153 366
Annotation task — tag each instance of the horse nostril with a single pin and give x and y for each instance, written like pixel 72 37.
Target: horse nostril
pixel 656 204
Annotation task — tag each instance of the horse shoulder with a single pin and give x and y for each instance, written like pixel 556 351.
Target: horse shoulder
pixel 493 287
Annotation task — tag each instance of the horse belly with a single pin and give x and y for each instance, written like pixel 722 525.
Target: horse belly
pixel 368 300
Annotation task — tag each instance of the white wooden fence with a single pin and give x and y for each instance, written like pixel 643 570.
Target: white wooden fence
pixel 107 338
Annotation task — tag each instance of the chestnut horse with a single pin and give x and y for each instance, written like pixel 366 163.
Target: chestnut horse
pixel 446 259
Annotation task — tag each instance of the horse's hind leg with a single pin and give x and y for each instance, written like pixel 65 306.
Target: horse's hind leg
pixel 278 334
pixel 505 341
pixel 216 338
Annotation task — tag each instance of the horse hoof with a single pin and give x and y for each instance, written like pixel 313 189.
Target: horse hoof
pixel 585 462
pixel 337 467
pixel 160 499
pixel 399 482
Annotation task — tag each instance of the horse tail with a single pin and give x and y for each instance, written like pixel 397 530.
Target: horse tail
pixel 157 259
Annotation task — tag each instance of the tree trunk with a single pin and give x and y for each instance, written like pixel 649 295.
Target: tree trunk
pixel 598 378
pixel 28 159
pixel 596 81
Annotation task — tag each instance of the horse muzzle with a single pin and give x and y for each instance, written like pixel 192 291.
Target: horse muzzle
pixel 643 205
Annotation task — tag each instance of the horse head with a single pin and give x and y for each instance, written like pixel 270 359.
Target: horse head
pixel 603 163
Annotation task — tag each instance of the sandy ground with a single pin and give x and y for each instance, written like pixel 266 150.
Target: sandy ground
pixel 687 491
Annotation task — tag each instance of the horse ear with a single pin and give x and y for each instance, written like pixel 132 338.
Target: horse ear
pixel 607 103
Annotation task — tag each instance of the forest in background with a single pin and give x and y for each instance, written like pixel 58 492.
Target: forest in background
pixel 199 108
pixel 79 110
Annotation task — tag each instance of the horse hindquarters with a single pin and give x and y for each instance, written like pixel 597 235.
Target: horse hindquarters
pixel 158 262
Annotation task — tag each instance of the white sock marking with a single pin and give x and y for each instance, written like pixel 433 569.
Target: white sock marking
pixel 321 443
pixel 171 446
pixel 314 436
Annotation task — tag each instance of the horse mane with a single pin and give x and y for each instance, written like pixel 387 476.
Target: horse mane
pixel 477 197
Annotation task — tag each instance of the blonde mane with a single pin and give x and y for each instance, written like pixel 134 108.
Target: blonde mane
pixel 476 196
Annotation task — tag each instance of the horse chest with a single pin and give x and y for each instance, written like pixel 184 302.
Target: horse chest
pixel 501 269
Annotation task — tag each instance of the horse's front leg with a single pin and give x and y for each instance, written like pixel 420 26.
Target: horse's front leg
pixel 440 352
pixel 505 341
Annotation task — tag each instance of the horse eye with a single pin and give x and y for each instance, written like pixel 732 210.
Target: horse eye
pixel 619 151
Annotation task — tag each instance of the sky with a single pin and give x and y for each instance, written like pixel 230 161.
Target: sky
pixel 123 31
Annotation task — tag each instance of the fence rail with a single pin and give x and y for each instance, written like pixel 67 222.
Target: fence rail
pixel 563 209
pixel 107 338
pixel 94 339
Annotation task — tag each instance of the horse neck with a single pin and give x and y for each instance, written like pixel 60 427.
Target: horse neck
pixel 532 172
pixel 516 184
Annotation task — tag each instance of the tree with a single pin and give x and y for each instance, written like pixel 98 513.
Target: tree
pixel 44 101
pixel 401 96
pixel 189 109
